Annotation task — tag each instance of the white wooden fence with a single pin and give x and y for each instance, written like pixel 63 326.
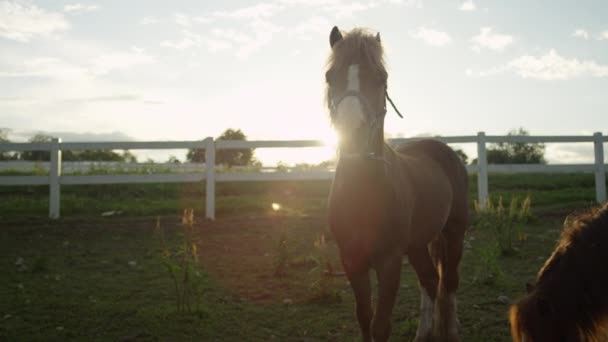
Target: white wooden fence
pixel 55 178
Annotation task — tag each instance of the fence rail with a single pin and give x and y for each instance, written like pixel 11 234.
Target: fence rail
pixel 211 175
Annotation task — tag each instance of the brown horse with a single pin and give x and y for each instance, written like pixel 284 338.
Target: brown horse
pixel 569 301
pixel 386 203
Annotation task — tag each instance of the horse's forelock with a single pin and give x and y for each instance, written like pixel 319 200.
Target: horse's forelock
pixel 358 45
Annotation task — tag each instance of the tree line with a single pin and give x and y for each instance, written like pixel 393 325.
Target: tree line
pixel 87 155
pixel 499 153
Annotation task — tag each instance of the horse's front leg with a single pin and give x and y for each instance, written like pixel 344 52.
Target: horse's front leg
pixel 361 286
pixel 389 273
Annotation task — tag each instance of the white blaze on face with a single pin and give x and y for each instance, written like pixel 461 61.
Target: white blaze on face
pixel 350 112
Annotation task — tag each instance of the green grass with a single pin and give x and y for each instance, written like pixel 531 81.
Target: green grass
pixel 79 284
pixel 74 279
pixel 547 191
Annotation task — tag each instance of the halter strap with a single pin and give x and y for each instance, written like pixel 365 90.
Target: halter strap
pixel 392 103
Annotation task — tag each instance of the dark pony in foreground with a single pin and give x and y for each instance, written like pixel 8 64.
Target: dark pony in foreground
pixel 386 203
pixel 569 301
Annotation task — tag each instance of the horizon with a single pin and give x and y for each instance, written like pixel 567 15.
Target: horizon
pixel 97 70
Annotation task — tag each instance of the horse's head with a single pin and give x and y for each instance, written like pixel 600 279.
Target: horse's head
pixel 534 319
pixel 356 91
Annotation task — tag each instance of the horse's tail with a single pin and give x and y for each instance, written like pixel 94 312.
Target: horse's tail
pixel 438 250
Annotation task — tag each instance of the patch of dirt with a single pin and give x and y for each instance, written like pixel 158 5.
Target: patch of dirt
pixel 242 255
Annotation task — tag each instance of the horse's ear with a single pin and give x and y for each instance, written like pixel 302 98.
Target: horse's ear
pixel 378 37
pixel 335 36
pixel 529 287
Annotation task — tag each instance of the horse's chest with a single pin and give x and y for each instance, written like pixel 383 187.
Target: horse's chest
pixel 360 220
pixel 357 206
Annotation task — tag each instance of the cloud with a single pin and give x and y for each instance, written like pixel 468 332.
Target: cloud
pixel 339 9
pixel 55 68
pixel 348 10
pixel 191 39
pixel 149 20
pixel 548 67
pixel 80 8
pixel 259 34
pixel 181 44
pixel 490 40
pixel 261 10
pixel 411 3
pixel 315 25
pixel 258 27
pixel 120 60
pixel 263 32
pixel 47 67
pixel 467 5
pixel 183 20
pixel 431 37
pixel 103 99
pixel 231 35
pixel 552 66
pixel 580 33
pixel 603 35
pixel 16 101
pixel 21 21
pixel 569 153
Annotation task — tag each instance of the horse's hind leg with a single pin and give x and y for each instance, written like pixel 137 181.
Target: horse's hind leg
pixel 450 249
pixel 428 279
pixel 361 286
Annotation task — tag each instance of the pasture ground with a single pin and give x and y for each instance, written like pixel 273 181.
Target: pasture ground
pixel 85 277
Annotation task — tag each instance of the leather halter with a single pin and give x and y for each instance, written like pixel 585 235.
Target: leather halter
pixel 376 123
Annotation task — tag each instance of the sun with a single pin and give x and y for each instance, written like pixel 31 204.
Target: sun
pixel 330 138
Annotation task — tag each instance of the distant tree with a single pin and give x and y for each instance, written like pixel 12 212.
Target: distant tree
pixel 86 155
pixel 4 155
pixel 516 153
pixel 463 156
pixel 173 160
pixel 230 157
pixel 326 164
pixel 196 155
pixel 92 155
pixel 37 155
pixel 128 157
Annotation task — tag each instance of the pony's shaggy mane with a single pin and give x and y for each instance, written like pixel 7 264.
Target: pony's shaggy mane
pixel 573 278
pixel 578 230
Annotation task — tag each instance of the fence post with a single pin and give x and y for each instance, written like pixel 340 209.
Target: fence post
pixel 54 174
pixel 600 169
pixel 482 170
pixel 210 178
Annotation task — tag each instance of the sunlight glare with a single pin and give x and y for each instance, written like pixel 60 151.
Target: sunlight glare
pixel 330 139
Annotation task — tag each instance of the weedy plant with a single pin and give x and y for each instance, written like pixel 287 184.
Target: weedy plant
pixel 507 223
pixel 182 266
pixel 282 254
pixel 489 272
pixel 323 272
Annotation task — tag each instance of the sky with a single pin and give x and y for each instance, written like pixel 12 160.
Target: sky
pixel 185 70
